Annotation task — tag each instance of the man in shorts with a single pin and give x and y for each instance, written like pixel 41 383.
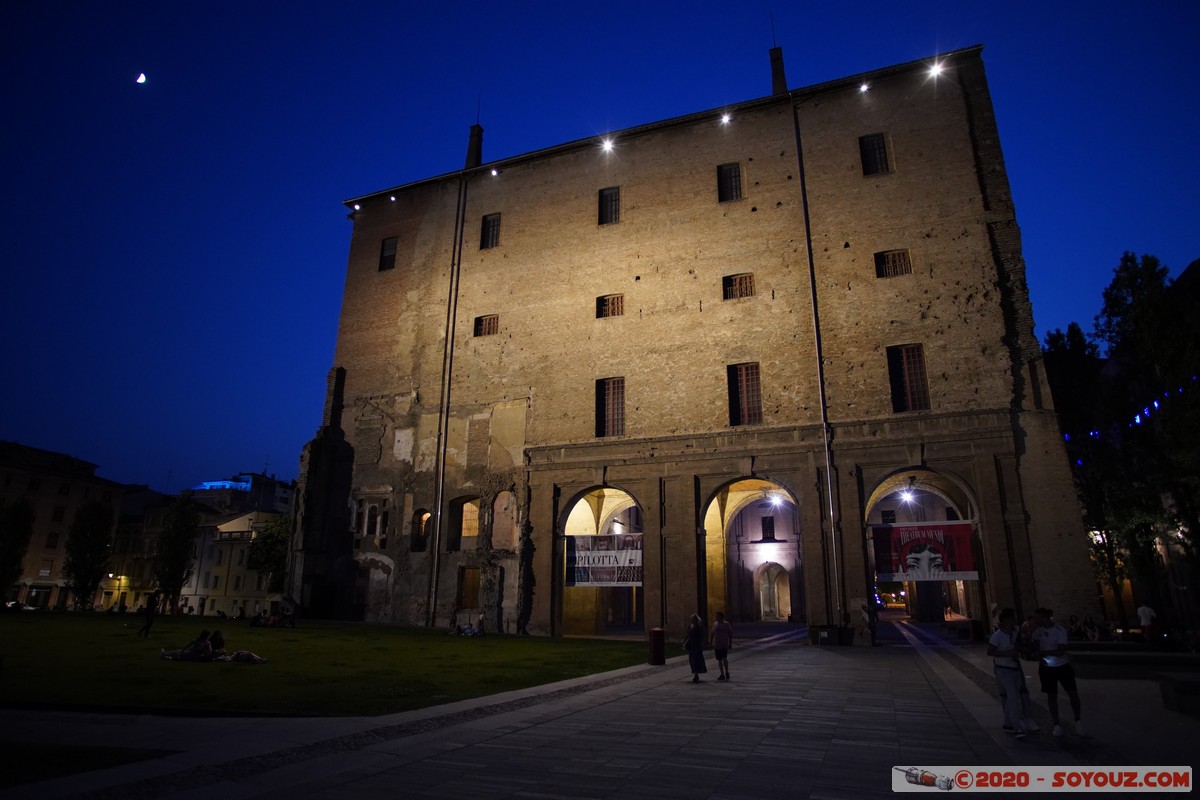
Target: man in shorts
pixel 722 639
pixel 1054 668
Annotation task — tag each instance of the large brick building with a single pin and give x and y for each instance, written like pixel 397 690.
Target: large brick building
pixel 766 337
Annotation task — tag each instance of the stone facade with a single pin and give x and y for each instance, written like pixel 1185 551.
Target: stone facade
pixel 797 343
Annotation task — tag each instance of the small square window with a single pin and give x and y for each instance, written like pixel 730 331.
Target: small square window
pixel 487 325
pixel 610 305
pixel 387 253
pixel 737 286
pixel 873 149
pixel 906 373
pixel 610 407
pixel 610 205
pixel 489 235
pixel 729 182
pixel 891 263
pixel 745 394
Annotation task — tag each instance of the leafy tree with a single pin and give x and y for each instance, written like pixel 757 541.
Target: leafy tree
pixel 268 552
pixel 174 556
pixel 16 528
pixel 1132 419
pixel 89 543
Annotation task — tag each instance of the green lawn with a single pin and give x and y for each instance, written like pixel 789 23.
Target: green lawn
pixel 84 660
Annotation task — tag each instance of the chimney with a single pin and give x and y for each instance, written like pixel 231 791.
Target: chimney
pixel 475 147
pixel 778 79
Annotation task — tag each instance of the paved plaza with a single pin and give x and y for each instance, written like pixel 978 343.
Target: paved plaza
pixel 796 721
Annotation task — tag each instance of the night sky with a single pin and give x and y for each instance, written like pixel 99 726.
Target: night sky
pixel 173 252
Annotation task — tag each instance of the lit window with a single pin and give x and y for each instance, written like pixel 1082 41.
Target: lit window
pixel 610 407
pixel 420 530
pixel 734 287
pixel 891 263
pixel 489 235
pixel 387 253
pixel 488 325
pixel 729 182
pixel 610 305
pixel 745 394
pixel 610 205
pixel 906 372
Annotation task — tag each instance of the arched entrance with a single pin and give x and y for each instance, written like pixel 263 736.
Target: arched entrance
pixel 602 584
pixel 752 552
pixel 924 546
pixel 774 592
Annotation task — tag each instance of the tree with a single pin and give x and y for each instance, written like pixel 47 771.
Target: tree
pixel 174 555
pixel 89 544
pixel 1132 420
pixel 16 528
pixel 268 552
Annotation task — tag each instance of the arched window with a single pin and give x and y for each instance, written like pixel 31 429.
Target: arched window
pixel 420 530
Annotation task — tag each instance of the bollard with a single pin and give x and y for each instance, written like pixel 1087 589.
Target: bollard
pixel 658 647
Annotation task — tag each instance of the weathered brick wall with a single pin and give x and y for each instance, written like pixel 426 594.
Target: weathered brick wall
pixel 945 201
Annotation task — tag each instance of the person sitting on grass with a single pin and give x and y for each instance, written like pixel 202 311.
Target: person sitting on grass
pixel 199 649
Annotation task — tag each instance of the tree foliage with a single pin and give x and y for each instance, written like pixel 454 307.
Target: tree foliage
pixel 174 556
pixel 16 527
pixel 89 545
pixel 268 552
pixel 1132 418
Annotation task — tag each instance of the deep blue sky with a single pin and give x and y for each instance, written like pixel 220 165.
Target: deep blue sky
pixel 173 252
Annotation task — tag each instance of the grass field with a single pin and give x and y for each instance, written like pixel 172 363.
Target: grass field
pixel 91 661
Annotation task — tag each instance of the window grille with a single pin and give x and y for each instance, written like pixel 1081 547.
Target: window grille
pixel 729 182
pixel 906 372
pixel 610 407
pixel 745 394
pixel 737 286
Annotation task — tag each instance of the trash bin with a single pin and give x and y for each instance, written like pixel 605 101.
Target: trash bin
pixel 827 635
pixel 658 647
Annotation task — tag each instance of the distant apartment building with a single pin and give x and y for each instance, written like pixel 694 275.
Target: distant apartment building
pixel 57 485
pixel 232 514
pixel 762 359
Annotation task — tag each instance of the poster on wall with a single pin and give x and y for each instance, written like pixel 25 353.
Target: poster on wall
pixel 925 551
pixel 604 560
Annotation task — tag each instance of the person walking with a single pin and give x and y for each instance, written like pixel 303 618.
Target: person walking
pixel 722 640
pixel 693 643
pixel 1006 666
pixel 1146 617
pixel 1054 668
pixel 151 610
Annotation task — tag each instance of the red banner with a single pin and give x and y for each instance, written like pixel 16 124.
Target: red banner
pixel 926 551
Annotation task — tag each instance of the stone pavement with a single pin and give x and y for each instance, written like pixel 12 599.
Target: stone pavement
pixel 795 721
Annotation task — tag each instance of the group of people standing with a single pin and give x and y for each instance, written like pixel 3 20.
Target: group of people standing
pixel 721 636
pixel 1041 639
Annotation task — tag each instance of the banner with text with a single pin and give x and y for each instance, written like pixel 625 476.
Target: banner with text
pixel 604 560
pixel 927 551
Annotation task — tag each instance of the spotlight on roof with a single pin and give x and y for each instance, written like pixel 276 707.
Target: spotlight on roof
pixel 357 206
pixel 606 145
pixel 935 69
pixel 864 88
pixel 725 119
pixel 393 198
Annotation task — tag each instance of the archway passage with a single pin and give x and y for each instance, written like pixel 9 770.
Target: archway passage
pixel 753 554
pixel 602 584
pixel 774 593
pixel 924 546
